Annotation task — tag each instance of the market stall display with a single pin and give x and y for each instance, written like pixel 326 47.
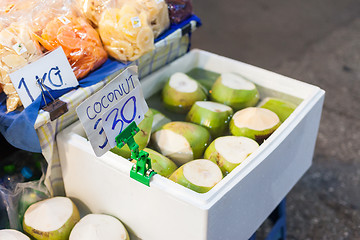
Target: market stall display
pixel 212 138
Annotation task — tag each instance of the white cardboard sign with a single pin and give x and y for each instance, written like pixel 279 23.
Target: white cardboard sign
pixel 131 108
pixel 53 68
pixel 92 111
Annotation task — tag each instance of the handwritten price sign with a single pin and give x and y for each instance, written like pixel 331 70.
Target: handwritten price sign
pixel 105 114
pixel 131 108
pixel 52 69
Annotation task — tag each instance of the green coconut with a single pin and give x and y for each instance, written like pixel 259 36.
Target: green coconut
pixel 52 218
pixel 29 197
pixel 230 151
pixel 255 123
pixel 235 91
pixel 181 141
pixel 159 163
pixel 181 92
pixel 99 227
pixel 205 77
pixel 281 107
pixel 212 115
pixel 142 138
pixel 159 120
pixel 11 234
pixel 199 175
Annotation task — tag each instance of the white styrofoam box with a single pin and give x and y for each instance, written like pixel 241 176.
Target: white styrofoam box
pixel 237 205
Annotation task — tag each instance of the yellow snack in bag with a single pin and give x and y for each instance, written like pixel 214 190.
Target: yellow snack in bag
pixel 16 50
pixel 157 13
pixel 126 33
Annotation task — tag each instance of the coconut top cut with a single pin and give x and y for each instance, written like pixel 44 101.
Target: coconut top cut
pixel 213 106
pixel 11 234
pixel 255 118
pixel 236 82
pixel 183 83
pixel 50 214
pixel 202 172
pixel 171 143
pixel 235 149
pixel 98 227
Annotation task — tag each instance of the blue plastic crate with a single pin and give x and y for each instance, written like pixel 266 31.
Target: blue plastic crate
pixel 278 219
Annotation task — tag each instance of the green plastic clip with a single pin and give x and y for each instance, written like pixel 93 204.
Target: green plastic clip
pixel 141 171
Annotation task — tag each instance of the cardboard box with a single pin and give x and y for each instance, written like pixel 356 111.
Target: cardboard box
pixel 236 206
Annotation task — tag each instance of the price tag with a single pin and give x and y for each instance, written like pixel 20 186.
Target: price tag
pixel 131 108
pixel 93 109
pixel 135 21
pixel 53 68
pixel 19 48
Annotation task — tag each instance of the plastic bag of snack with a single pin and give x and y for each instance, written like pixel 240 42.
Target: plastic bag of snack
pixel 17 48
pixel 179 10
pixel 11 6
pixel 92 9
pixel 60 23
pixel 126 32
pixel 157 12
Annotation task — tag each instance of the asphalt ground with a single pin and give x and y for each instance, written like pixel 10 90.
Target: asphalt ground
pixel 316 42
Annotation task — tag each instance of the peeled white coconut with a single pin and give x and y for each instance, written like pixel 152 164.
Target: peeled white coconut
pixel 230 151
pixel 159 120
pixel 181 92
pixel 235 91
pixel 212 115
pixel 99 227
pixel 199 175
pixel 11 234
pixel 255 123
pixel 52 218
pixel 181 141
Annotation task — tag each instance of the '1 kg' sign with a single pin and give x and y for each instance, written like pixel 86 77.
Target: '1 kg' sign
pixel 50 72
pixel 109 111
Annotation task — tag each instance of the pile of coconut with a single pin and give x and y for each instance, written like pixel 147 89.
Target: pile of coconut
pixel 223 124
pixel 58 218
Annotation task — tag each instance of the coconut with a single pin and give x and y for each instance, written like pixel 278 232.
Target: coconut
pixel 159 163
pixel 181 141
pixel 181 92
pixel 213 116
pixel 281 107
pixel 52 218
pixel 11 234
pixel 255 123
pixel 159 120
pixel 99 227
pixel 234 91
pixel 199 175
pixel 205 77
pixel 142 138
pixel 230 151
pixel 30 196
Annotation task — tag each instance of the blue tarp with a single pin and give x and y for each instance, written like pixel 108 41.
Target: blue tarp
pixel 18 126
